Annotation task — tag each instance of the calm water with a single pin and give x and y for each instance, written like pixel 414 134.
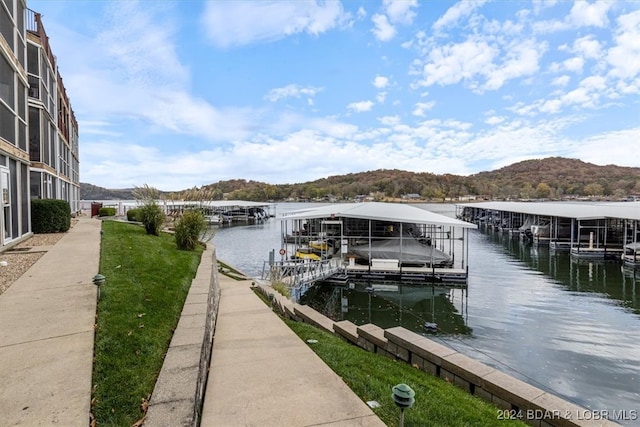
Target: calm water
pixel 569 327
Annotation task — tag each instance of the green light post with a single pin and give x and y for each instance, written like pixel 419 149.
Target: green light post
pixel 98 280
pixel 403 397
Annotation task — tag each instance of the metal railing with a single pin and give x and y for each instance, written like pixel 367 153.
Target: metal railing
pixel 299 275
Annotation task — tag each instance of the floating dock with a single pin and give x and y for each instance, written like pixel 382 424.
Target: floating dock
pixel 590 230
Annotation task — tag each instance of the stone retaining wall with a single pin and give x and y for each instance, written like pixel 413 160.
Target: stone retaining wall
pixel 512 397
pixel 179 391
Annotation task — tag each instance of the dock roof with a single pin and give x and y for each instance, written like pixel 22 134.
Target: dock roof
pixel 393 212
pixel 577 210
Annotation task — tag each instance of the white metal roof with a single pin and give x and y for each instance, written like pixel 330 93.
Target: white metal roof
pixel 394 212
pixel 216 203
pixel 577 210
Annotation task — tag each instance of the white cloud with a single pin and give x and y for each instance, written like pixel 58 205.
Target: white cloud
pixel 624 57
pixel 521 59
pixel 292 90
pixel 140 79
pixel 582 14
pixel 380 82
pixel 383 30
pixel 588 47
pixel 237 23
pixel 361 106
pixel 619 144
pixel 585 14
pixel 456 12
pixel 144 57
pixel 455 62
pixel 381 97
pixel 389 120
pixel 561 80
pixel 574 64
pixel 494 120
pixel 400 11
pixel 587 95
pixel 421 108
pixel 539 5
pixel 394 12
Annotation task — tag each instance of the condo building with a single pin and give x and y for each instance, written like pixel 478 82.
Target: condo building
pixel 38 128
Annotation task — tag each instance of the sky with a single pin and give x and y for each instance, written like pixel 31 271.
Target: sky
pixel 180 94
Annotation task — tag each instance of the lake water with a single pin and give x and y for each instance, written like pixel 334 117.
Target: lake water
pixel 566 326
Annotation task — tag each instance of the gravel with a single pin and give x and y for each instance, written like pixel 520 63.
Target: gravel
pixel 19 262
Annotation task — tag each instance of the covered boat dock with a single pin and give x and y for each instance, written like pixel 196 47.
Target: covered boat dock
pixel 592 230
pixel 371 241
pixel 216 212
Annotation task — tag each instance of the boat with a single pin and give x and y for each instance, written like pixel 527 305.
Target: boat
pixel 408 251
pixel 631 256
pixel 307 254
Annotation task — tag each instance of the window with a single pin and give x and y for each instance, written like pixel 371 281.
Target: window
pixel 34 134
pixel 36 185
pixel 5 204
pixel 33 55
pixel 7 78
pixel 6 26
pixel 7 124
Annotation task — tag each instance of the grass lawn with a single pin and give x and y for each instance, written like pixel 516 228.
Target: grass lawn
pixel 147 281
pixel 371 376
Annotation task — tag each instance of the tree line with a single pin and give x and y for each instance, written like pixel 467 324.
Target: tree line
pixel 550 178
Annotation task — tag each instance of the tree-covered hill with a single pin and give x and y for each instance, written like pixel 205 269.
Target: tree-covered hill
pixel 93 192
pixel 553 177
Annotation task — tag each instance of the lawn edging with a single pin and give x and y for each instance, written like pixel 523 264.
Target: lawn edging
pixel 179 391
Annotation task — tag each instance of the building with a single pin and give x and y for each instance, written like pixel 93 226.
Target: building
pixel 38 129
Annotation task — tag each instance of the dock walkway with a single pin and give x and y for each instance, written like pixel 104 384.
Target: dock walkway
pixel 263 374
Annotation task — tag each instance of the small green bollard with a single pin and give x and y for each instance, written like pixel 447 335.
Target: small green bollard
pixel 403 397
pixel 98 280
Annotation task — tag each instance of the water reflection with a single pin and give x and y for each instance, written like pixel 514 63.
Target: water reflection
pixel 607 279
pixel 567 326
pixel 422 309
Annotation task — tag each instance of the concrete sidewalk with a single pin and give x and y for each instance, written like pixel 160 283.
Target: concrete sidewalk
pixel 263 374
pixel 47 321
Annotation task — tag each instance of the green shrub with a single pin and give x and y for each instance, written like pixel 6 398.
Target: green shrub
pixel 189 228
pixel 50 216
pixel 152 217
pixel 281 288
pixel 107 212
pixel 133 215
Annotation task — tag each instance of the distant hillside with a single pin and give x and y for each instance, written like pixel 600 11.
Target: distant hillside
pixel 562 176
pixel 93 192
pixel 553 177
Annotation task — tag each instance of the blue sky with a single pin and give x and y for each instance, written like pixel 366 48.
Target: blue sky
pixel 186 93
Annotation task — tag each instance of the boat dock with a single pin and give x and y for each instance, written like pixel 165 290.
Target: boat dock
pixel 217 212
pixel 382 242
pixel 589 230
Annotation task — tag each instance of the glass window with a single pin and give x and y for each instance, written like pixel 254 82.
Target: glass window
pixel 7 78
pixel 34 134
pixel 6 26
pixel 7 124
pixel 36 185
pixel 32 59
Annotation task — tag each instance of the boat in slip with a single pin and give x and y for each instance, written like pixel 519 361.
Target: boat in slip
pixel 307 254
pixel 408 251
